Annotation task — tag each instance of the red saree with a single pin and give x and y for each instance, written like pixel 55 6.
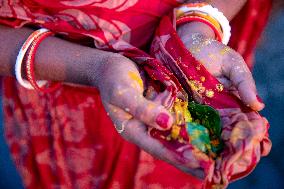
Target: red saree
pixel 50 146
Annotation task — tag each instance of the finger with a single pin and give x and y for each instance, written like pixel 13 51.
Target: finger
pixel 136 132
pixel 241 77
pixel 148 112
pixel 229 86
pixel 118 116
pixel 225 82
pixel 164 98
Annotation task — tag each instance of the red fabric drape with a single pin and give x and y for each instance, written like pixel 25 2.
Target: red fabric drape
pixel 65 139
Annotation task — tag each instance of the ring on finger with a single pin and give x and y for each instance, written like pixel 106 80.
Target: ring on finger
pixel 120 130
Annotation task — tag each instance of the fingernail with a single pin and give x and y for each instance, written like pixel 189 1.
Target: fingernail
pixel 162 120
pixel 259 99
pixel 261 102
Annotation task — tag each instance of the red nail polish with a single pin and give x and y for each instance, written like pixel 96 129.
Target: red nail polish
pixel 162 120
pixel 259 99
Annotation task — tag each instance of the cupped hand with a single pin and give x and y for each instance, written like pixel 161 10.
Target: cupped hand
pixel 121 90
pixel 226 65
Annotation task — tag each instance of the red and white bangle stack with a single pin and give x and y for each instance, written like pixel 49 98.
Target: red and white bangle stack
pixel 205 13
pixel 28 51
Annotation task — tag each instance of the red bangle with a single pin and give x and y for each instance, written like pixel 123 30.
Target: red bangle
pixel 186 19
pixel 30 66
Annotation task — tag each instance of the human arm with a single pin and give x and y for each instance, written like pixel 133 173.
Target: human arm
pixel 221 61
pixel 56 59
pixel 59 60
pixel 228 7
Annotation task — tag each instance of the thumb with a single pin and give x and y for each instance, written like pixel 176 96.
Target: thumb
pixel 242 79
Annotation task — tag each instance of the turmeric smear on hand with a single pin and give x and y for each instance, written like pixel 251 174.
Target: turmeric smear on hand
pixel 135 77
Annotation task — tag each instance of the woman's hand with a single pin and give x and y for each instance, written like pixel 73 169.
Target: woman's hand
pixel 225 64
pixel 121 90
pixel 115 76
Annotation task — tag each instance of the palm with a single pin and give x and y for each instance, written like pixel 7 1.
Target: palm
pixel 121 89
pixel 227 66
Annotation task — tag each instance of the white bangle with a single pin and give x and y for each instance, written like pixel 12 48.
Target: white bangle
pixel 18 66
pixel 216 14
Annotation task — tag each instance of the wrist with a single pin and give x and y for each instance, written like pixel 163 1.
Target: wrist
pixel 57 60
pixel 101 73
pixel 229 8
pixel 187 30
pixel 61 60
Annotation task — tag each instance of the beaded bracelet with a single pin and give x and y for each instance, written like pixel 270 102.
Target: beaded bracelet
pixel 30 66
pixel 20 57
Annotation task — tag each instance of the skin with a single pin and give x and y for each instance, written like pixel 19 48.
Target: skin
pixel 119 83
pixel 228 66
pixel 228 7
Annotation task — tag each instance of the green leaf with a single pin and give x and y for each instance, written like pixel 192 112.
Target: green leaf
pixel 210 119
